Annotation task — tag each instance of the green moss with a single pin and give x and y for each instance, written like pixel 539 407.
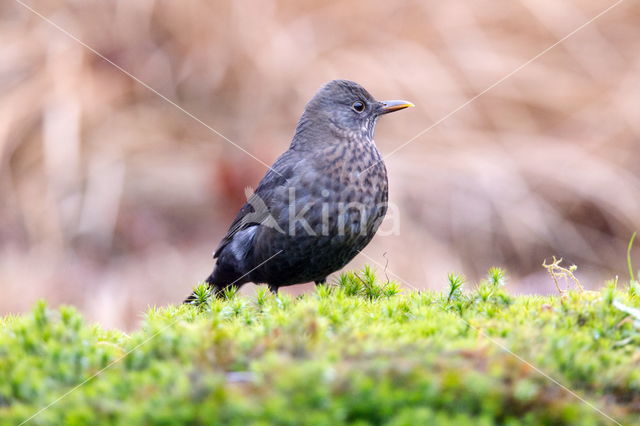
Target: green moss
pixel 356 352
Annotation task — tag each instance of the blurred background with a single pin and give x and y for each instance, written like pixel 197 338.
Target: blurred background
pixel 113 199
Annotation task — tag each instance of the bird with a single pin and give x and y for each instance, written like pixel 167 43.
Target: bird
pixel 319 204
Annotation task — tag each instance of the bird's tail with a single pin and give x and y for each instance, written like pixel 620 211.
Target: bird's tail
pixel 214 289
pixel 221 278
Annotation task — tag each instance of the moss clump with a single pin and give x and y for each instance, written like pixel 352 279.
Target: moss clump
pixel 355 352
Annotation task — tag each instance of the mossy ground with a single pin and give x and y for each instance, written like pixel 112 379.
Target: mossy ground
pixel 357 352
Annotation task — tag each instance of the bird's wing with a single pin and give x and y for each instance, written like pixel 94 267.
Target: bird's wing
pixel 256 210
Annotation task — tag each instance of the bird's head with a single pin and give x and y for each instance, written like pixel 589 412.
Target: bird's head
pixel 345 109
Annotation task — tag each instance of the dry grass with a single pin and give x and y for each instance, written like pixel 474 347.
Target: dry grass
pixel 112 198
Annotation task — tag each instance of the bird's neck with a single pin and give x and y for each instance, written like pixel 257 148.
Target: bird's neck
pixel 311 132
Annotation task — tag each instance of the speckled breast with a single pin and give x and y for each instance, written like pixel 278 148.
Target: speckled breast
pixel 348 202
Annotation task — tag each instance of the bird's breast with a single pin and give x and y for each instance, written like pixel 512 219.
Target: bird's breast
pixel 327 212
pixel 354 193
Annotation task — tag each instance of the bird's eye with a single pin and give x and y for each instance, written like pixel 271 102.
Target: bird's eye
pixel 358 106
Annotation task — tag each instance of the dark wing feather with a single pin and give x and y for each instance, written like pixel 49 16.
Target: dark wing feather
pixel 277 176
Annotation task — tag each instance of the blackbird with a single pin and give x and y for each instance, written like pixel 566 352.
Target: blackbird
pixel 320 203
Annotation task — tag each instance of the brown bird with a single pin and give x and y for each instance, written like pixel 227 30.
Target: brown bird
pixel 320 203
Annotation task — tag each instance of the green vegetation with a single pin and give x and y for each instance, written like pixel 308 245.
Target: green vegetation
pixel 633 279
pixel 357 352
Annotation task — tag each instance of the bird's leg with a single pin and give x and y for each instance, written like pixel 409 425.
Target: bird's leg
pixel 321 281
pixel 273 288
